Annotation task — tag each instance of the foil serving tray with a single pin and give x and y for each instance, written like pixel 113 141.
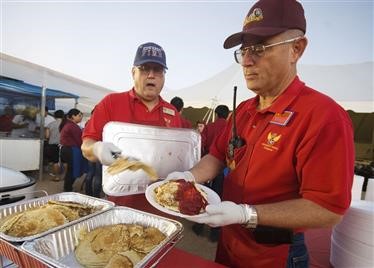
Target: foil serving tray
pixel 164 149
pixel 57 249
pixel 37 202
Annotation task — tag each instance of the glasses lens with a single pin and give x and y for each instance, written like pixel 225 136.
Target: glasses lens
pixel 254 51
pixel 157 70
pixel 238 56
pixel 258 50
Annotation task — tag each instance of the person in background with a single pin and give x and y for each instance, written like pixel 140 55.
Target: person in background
pixel 71 141
pixel 24 124
pixel 52 134
pixel 291 159
pixel 142 104
pixel 210 132
pixel 94 176
pixel 200 126
pixel 6 124
pixel 47 118
pixel 179 104
pixel 212 129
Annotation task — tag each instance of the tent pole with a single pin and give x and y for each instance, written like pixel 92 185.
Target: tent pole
pixel 42 119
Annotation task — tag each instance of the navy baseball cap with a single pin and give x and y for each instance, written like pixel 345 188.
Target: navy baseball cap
pixel 267 18
pixel 150 52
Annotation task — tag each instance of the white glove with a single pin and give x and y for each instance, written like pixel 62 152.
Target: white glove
pixel 224 213
pixel 186 175
pixel 106 152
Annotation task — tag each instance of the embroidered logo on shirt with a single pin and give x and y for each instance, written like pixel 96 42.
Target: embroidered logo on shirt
pixel 271 140
pixel 281 118
pixel 168 111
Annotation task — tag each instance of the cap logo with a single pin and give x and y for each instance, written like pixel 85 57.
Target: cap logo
pixel 256 15
pixel 152 51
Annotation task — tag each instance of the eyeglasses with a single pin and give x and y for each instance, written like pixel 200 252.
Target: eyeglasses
pixel 259 49
pixel 158 70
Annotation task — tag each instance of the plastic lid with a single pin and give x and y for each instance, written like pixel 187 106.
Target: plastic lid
pixel 10 178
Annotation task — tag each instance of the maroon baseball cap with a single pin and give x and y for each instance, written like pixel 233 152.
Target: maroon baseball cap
pixel 267 18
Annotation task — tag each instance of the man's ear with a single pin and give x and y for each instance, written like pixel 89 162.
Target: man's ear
pixel 298 48
pixel 133 72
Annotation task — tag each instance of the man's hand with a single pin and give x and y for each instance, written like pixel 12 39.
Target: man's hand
pixel 106 152
pixel 186 175
pixel 224 213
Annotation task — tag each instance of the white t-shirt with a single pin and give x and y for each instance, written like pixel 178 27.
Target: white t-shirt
pixel 19 119
pixel 47 120
pixel 54 133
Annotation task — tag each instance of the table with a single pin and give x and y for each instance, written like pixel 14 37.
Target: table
pixel 174 258
pixel 317 240
pixel 182 259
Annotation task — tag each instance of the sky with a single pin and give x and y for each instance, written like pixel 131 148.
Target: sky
pixel 96 41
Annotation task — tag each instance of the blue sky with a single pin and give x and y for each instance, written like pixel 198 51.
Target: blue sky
pixel 96 40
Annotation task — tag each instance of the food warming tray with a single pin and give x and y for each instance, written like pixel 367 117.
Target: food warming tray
pixel 57 249
pixel 165 149
pixel 15 186
pixel 37 202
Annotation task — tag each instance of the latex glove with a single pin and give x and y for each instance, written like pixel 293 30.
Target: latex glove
pixel 186 175
pixel 106 152
pixel 224 213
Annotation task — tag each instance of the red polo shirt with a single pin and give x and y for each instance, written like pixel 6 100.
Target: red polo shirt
pixel 301 146
pixel 186 123
pixel 211 131
pixel 128 108
pixel 6 124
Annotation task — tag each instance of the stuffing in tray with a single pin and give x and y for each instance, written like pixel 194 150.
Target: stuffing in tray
pixel 118 245
pixel 40 219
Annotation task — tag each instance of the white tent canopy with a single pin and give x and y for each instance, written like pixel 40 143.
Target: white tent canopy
pixel 89 94
pixel 350 85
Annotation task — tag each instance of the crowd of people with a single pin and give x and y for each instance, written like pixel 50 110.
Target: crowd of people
pixel 19 123
pixel 272 170
pixel 62 156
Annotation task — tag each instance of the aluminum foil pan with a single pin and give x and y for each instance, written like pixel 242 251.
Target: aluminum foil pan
pixel 37 202
pixel 57 249
pixel 164 149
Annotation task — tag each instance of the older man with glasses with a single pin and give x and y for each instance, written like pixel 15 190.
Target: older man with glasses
pixel 293 167
pixel 140 105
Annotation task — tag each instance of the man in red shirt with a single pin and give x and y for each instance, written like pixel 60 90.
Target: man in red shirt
pixel 291 162
pixel 179 104
pixel 211 130
pixel 140 105
pixel 6 123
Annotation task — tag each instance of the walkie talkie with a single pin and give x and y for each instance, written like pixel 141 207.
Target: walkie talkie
pixel 235 141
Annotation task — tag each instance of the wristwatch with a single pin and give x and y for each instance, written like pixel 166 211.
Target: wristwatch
pixel 251 217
